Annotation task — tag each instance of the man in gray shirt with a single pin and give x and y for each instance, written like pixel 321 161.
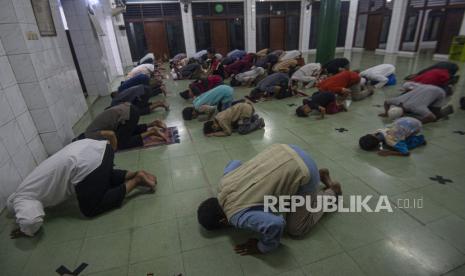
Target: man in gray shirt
pixel 139 96
pixel 421 101
pixel 273 85
pixel 119 125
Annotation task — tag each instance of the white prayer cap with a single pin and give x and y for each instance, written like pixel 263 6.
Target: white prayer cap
pixel 395 112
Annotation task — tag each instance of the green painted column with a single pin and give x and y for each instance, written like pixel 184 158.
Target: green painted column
pixel 328 26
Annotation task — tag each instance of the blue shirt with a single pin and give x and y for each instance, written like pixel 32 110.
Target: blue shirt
pixel 136 80
pixel 222 94
pixel 237 54
pixel 132 95
pixel 396 134
pixel 269 225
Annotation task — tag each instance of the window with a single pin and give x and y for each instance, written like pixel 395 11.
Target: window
pixel 361 30
pixel 263 33
pixel 202 34
pixel 432 27
pixel 175 37
pixel 385 29
pixel 136 39
pixel 411 27
pixel 292 32
pixel 314 25
pixel 236 33
pixel 343 19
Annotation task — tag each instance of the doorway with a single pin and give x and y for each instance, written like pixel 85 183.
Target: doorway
pixel 156 39
pixel 451 25
pixel 219 36
pixel 277 27
pixel 219 25
pixel 372 36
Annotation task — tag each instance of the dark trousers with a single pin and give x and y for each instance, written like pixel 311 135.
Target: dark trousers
pixel 103 189
pixel 142 102
pixel 128 134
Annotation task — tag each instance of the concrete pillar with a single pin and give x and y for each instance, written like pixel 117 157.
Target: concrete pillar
pixel 305 24
pixel 250 31
pixel 122 41
pixel 108 41
pixel 350 34
pixel 328 26
pixel 397 25
pixel 188 29
pixel 90 52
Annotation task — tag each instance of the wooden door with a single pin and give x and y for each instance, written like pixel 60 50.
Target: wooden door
pixel 373 31
pixel 451 28
pixel 277 28
pixel 219 36
pixel 155 37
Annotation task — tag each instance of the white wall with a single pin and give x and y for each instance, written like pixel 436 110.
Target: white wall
pixel 40 96
pixel 122 41
pixel 89 53
pixel 188 29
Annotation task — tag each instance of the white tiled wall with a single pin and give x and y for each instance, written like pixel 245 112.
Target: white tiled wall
pixel 19 150
pixel 88 50
pixel 40 94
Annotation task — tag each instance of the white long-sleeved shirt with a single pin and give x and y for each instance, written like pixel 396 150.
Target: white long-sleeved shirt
pixel 146 69
pixel 147 57
pixel 307 72
pixel 53 181
pixel 252 74
pixel 379 73
pixel 290 55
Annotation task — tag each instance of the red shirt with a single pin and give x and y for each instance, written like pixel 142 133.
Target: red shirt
pixel 240 66
pixel 336 83
pixel 438 77
pixel 211 82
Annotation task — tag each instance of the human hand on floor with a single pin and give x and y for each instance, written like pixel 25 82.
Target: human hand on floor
pixel 17 233
pixel 248 248
pixel 345 91
pixel 158 123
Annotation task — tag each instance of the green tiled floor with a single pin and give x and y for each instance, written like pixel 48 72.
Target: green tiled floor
pixel 159 233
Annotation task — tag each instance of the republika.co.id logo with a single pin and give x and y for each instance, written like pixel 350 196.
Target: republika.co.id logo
pixel 326 203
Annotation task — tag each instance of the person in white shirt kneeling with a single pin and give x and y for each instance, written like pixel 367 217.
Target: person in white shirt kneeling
pixel 83 169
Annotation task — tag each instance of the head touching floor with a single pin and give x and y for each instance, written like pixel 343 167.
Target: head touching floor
pixel 210 127
pixel 188 113
pixel 234 82
pixel 185 94
pixel 195 91
pixel 210 214
pixel 368 142
pixel 395 112
pixel 303 111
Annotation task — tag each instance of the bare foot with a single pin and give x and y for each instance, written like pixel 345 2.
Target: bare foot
pixel 164 136
pixel 166 106
pixel 324 177
pixel 149 175
pixel 145 180
pixel 336 187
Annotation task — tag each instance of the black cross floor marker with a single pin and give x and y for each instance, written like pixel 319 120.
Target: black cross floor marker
pixel 377 105
pixel 341 130
pixel 291 104
pixel 441 180
pixel 460 132
pixel 62 270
